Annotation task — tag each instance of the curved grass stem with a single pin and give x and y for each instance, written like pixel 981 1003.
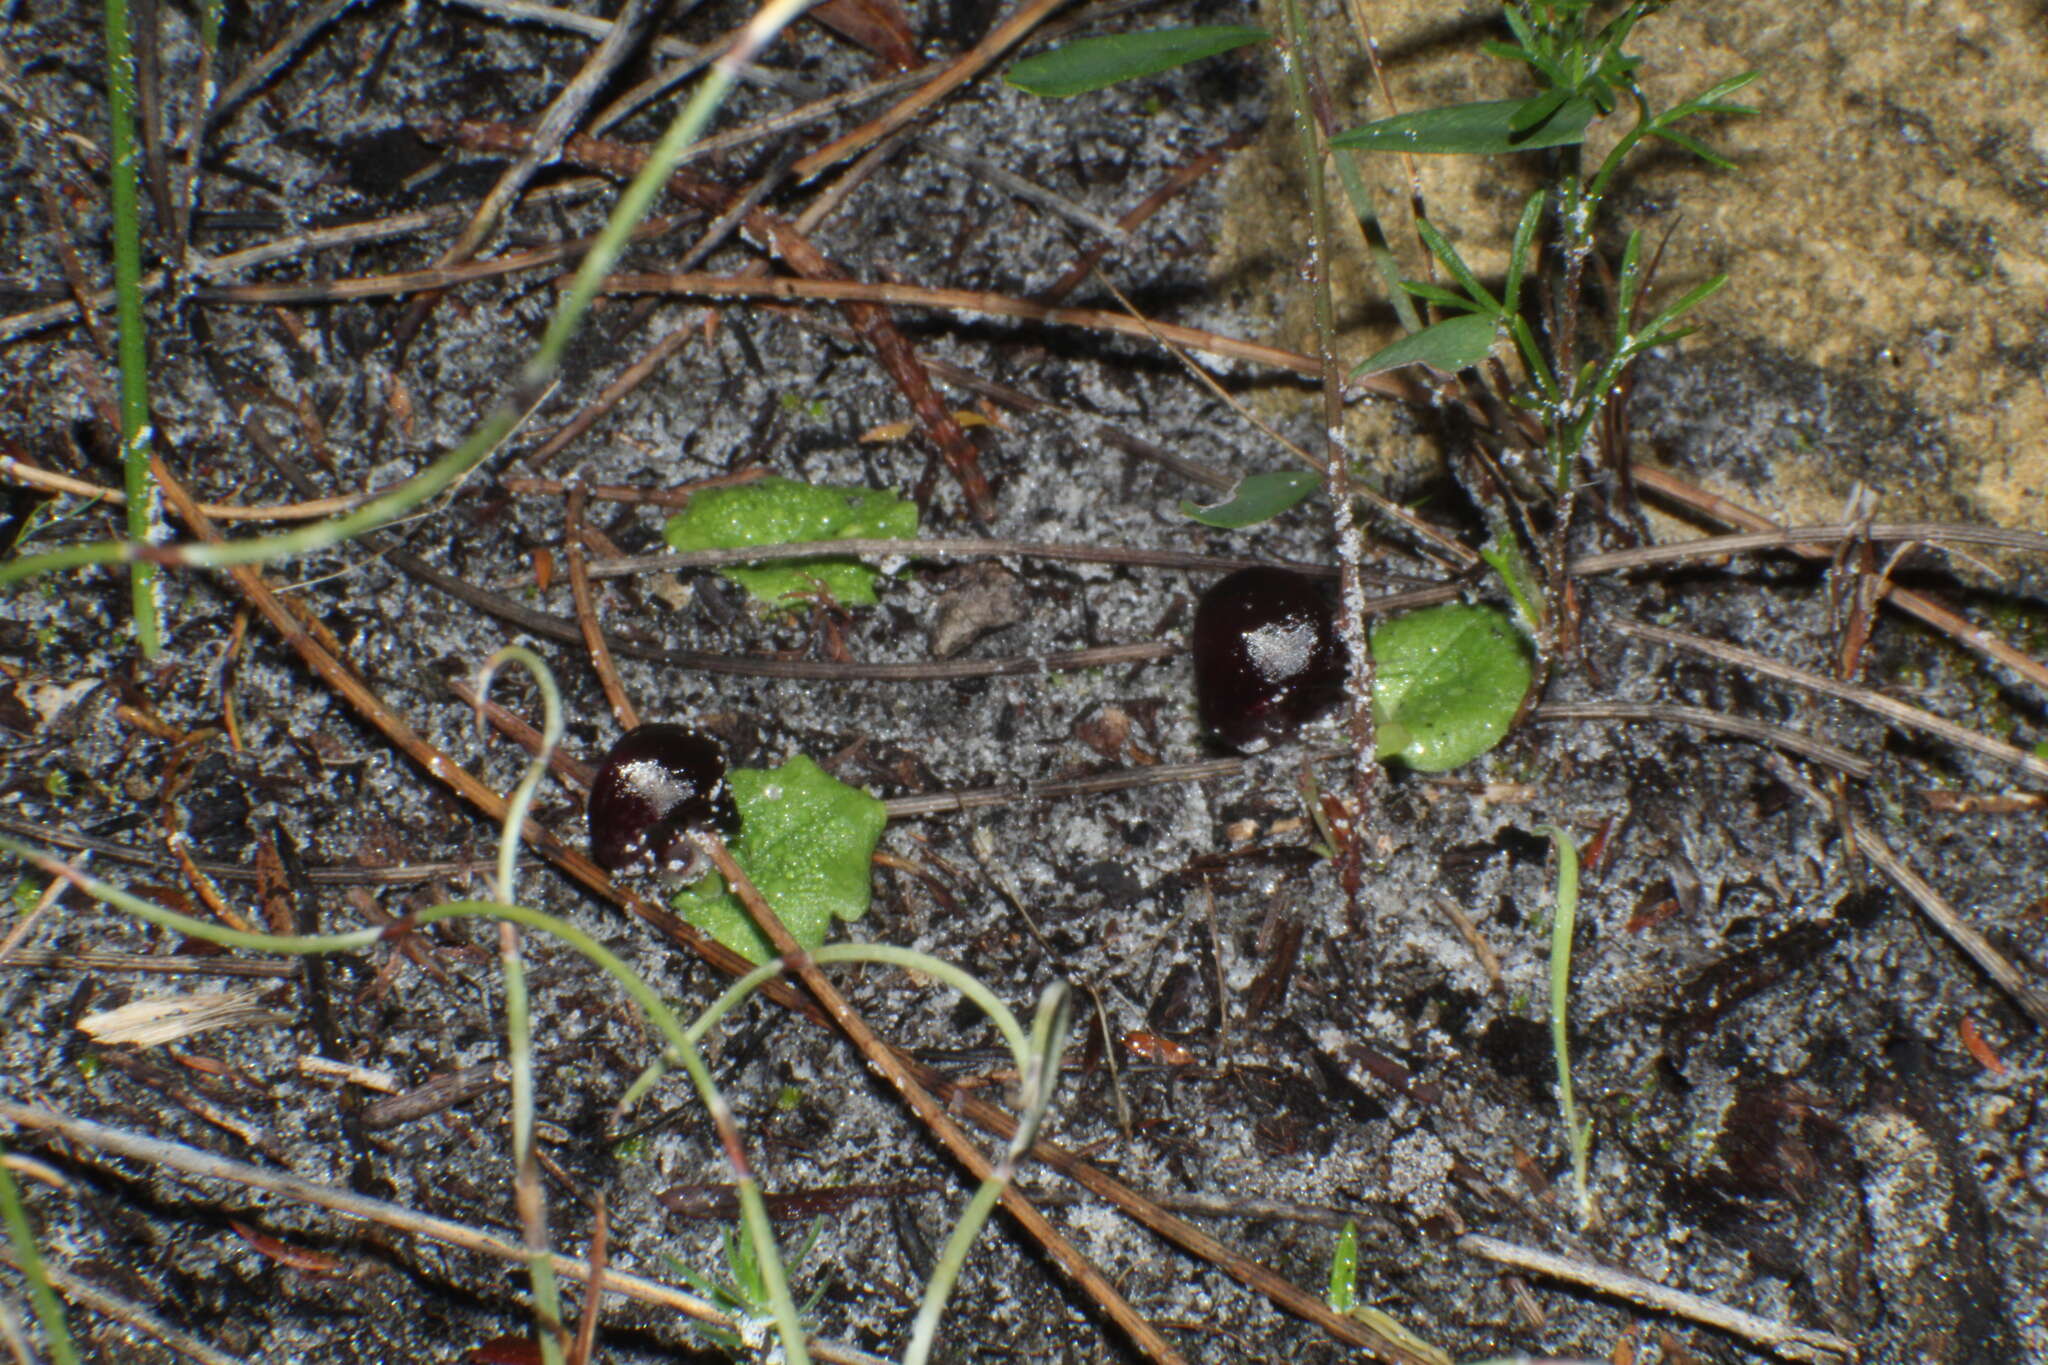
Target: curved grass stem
pixel 1564 920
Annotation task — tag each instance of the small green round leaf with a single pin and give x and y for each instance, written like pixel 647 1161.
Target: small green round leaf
pixel 778 511
pixel 1448 680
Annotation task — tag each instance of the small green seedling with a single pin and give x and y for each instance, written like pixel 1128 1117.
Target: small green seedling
pixel 1343 1297
pixel 744 1295
pixel 779 511
pixel 1447 683
pixel 806 840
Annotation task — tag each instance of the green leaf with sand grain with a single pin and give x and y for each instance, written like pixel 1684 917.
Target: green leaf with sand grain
pixel 806 840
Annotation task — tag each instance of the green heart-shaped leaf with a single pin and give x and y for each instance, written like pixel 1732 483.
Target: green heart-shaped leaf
pixel 806 840
pixel 1448 680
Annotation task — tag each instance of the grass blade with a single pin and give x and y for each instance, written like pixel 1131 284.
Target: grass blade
pixel 1093 63
pixel 23 1238
pixel 1485 128
pixel 144 518
pixel 1448 346
pixel 1578 1138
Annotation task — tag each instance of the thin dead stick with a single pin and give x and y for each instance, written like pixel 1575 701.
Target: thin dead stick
pixel 221 268
pixel 47 960
pixel 425 278
pixel 129 1314
pixel 556 123
pixel 586 616
pixel 1783 1339
pixel 34 476
pixel 676 496
pixel 1126 779
pixel 593 1288
pixel 1280 1291
pixel 969 64
pixel 595 26
pixel 941 548
pixel 1136 217
pixel 698 285
pixel 984 171
pixel 1897 712
pixel 1950 623
pixel 994 305
pixel 1933 531
pixel 194 1161
pixel 816 111
pixel 627 380
pixel 1668 713
pixel 398 875
pixel 2029 996
pixel 1018 400
pixel 1077 1268
pixel 258 72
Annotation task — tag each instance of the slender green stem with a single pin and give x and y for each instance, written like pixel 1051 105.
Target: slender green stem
pixel 144 518
pixel 909 959
pixel 208 930
pixel 754 1210
pixel 1376 248
pixel 946 1270
pixel 1578 1138
pixel 532 1200
pixel 536 767
pixel 1038 1074
pixel 23 1236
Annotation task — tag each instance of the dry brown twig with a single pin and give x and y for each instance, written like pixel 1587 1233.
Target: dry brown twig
pixel 2030 996
pixel 1957 627
pixel 1877 703
pixel 1076 1267
pixel 205 1165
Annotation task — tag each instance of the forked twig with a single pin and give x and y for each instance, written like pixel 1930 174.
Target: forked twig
pixel 1897 712
pixel 1963 631
pixel 2030 997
